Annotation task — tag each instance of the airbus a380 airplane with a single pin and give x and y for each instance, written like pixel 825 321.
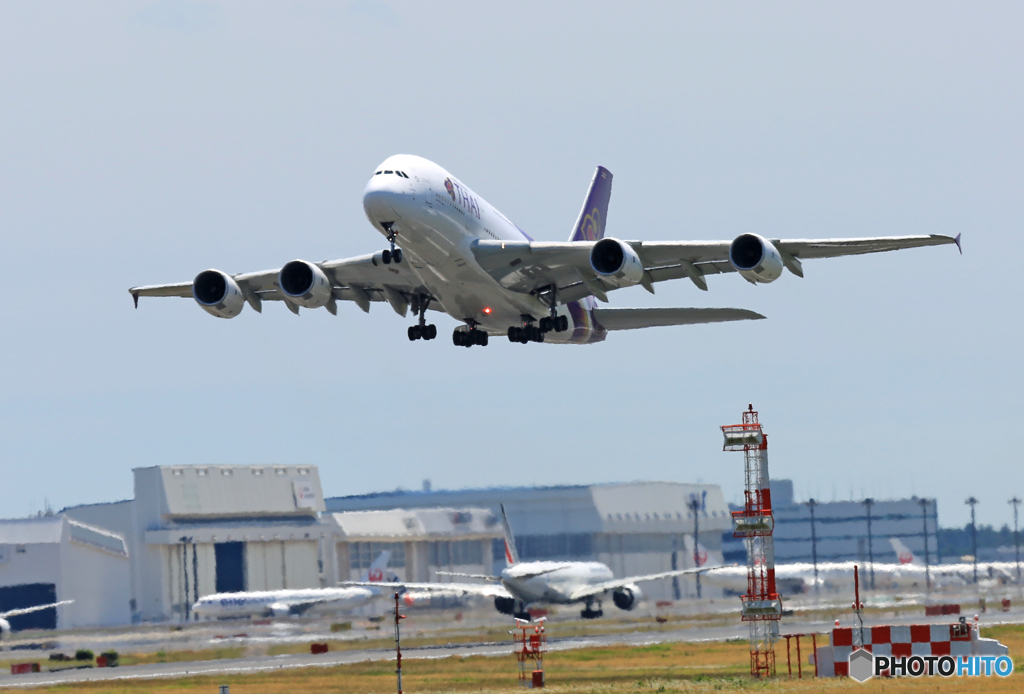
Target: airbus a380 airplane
pixel 294 603
pixel 548 582
pixel 460 255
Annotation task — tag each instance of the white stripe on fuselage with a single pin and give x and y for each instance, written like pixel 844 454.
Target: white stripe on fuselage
pixel 552 581
pixel 436 228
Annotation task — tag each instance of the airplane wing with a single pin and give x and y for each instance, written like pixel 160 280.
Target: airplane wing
pixel 530 266
pixel 598 588
pixel 489 590
pixel 632 318
pixel 484 577
pixel 29 610
pixel 362 280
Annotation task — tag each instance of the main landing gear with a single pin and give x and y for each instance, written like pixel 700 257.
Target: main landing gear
pixel 421 331
pixel 511 606
pixel 393 253
pixel 535 333
pixel 468 338
pixel 589 612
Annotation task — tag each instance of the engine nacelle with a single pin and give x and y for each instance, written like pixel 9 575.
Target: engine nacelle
pixel 755 258
pixel 305 284
pixel 504 605
pixel 616 263
pixel 278 610
pixel 627 597
pixel 218 294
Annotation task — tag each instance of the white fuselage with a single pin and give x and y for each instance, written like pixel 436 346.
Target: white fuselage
pixel 280 603
pixel 436 218
pixel 552 581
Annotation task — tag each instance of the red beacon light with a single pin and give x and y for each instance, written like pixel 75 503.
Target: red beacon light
pixel 487 310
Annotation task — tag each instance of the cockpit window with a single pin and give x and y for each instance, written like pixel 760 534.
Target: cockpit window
pixel 387 172
pixel 377 173
pixel 402 174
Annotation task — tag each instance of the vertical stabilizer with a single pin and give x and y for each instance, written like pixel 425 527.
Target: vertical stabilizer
pixel 903 553
pixel 511 555
pixel 590 225
pixel 375 573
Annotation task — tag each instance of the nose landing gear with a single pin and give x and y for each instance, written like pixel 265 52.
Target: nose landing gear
pixel 393 253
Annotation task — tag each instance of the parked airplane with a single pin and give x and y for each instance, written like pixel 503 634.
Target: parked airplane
pixel 990 573
pixel 292 603
pixel 799 577
pixel 551 582
pixel 462 256
pixel 5 626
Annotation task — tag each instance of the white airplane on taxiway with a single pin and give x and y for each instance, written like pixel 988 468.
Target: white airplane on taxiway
pixel 522 584
pixel 450 250
pixel 294 602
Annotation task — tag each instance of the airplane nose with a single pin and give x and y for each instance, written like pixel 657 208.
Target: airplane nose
pixel 382 200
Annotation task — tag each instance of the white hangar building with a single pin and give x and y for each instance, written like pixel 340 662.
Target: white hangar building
pixel 635 528
pixel 196 530
pixel 54 558
pixel 421 541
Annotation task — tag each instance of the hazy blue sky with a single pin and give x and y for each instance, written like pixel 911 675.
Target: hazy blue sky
pixel 141 142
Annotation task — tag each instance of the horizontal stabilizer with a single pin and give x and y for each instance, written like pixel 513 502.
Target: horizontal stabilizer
pixel 632 318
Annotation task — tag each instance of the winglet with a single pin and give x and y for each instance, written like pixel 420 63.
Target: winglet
pixel 956 240
pixel 135 296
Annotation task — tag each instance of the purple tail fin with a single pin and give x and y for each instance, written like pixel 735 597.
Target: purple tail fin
pixel 590 225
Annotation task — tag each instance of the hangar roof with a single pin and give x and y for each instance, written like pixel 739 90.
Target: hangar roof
pixel 218 491
pixel 50 530
pixel 629 507
pixel 31 531
pixel 420 523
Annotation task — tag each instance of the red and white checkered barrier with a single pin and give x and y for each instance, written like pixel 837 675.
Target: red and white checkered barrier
pixel 902 641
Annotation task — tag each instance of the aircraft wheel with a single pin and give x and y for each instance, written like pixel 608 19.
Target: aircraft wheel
pixel 545 324
pixel 386 257
pixel 457 338
pixel 513 334
pixel 481 338
pixel 397 255
pixel 414 333
pixel 431 332
pixel 563 323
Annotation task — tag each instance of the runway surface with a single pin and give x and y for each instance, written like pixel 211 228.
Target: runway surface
pixel 258 664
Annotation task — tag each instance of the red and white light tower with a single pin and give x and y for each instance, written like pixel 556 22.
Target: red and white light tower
pixel 762 606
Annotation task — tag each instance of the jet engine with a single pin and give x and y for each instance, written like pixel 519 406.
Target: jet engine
pixel 278 610
pixel 305 284
pixel 627 597
pixel 218 294
pixel 755 258
pixel 504 605
pixel 616 263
